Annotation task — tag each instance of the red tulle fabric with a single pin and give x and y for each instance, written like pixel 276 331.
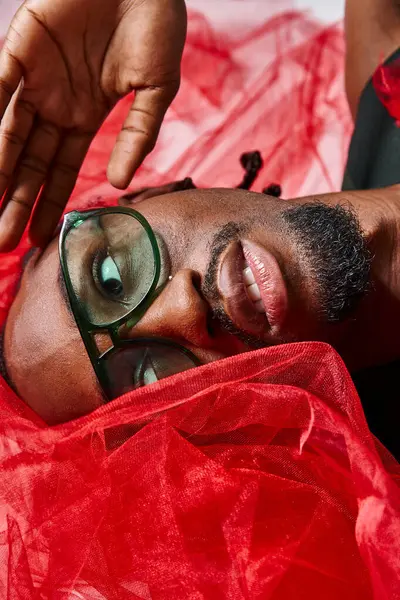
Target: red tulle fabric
pixel 386 81
pixel 255 477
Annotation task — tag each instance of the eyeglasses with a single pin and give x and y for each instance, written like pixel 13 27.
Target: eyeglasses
pixel 113 271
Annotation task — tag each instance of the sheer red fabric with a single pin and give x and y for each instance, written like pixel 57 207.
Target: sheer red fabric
pixel 386 81
pixel 255 477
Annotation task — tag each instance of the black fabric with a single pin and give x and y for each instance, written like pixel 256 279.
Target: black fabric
pixel 374 154
pixel 374 162
pixel 379 390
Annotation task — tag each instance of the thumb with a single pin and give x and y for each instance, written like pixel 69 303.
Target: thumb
pixel 139 132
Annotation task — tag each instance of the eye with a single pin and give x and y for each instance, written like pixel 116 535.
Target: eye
pixel 145 372
pixel 110 278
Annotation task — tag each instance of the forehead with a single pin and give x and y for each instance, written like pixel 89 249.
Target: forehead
pixel 199 202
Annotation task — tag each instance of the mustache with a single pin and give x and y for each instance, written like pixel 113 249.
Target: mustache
pixel 231 232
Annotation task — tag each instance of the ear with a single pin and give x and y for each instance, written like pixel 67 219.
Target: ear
pixel 145 193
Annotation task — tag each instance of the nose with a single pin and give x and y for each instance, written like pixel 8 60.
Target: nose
pixel 178 313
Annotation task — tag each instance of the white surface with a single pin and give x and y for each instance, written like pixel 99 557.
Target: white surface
pixel 7 10
pixel 325 10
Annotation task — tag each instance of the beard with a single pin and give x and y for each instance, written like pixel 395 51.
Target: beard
pixel 338 260
pixel 330 243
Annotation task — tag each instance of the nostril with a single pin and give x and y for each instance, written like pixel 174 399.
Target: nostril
pixel 209 317
pixel 210 320
pixel 196 281
pixel 210 324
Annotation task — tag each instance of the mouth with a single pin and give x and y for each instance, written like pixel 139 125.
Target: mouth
pixel 253 290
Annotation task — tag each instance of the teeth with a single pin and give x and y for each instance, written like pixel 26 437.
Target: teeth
pixel 252 289
pixel 248 276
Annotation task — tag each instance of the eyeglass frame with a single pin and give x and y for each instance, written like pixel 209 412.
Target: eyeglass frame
pixel 87 329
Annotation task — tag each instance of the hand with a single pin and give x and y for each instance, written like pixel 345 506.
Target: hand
pixel 64 65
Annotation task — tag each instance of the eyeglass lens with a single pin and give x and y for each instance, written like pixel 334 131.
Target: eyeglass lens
pixel 111 265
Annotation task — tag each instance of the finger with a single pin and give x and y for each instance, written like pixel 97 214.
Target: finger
pixel 31 173
pixel 14 132
pixel 58 187
pixel 139 133
pixel 10 77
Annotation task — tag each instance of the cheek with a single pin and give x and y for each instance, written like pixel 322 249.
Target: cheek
pixel 58 383
pixel 63 392
pixel 47 360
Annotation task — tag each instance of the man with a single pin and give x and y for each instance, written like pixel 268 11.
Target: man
pixel 69 63
pixel 245 271
pixel 238 271
pixel 251 477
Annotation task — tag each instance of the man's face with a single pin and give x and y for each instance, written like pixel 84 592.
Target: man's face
pixel 246 271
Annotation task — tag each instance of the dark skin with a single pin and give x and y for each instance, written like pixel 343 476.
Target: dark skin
pixel 44 350
pixel 77 58
pixel 48 354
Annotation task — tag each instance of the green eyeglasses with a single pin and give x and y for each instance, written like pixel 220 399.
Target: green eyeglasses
pixel 113 271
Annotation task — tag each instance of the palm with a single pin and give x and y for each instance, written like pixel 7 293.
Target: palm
pixel 77 58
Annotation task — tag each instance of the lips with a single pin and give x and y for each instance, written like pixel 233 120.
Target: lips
pixel 268 292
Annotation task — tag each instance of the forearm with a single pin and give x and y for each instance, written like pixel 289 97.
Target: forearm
pixel 372 35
